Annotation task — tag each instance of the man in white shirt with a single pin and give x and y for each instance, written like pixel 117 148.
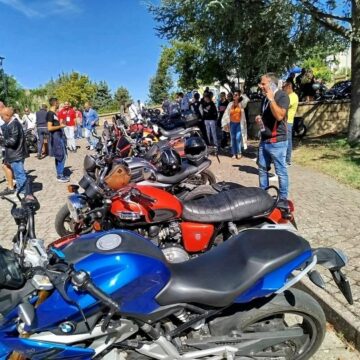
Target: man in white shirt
pixel 183 102
pixel 28 120
pixel 133 113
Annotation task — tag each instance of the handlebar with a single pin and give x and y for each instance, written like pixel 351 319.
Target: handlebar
pixel 137 194
pixel 83 282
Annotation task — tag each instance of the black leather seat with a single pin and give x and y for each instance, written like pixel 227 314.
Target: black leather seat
pixel 231 205
pixel 219 276
pixel 178 132
pixel 186 171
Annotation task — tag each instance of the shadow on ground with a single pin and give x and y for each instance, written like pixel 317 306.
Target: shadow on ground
pixel 248 169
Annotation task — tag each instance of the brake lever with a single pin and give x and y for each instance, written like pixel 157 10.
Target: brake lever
pixel 60 283
pixel 82 280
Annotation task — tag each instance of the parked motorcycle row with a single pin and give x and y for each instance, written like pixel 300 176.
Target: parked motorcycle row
pixel 157 260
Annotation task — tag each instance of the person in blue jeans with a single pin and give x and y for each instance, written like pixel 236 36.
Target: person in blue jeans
pixel 231 121
pixel 42 129
pixel 14 143
pixel 57 140
pixel 273 128
pixel 90 119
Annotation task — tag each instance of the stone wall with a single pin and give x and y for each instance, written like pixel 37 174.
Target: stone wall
pixel 108 117
pixel 321 118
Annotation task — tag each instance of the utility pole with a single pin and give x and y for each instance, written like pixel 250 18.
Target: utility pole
pixel 2 75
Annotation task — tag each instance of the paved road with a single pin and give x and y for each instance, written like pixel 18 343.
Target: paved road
pixel 327 214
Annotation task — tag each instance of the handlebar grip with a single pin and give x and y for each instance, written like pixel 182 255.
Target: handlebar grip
pixel 147 197
pixel 99 294
pixel 83 281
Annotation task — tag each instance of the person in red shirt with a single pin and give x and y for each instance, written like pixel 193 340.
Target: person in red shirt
pixel 67 115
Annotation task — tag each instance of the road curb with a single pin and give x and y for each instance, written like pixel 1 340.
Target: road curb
pixel 337 314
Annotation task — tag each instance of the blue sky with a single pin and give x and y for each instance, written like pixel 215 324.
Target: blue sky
pixel 111 40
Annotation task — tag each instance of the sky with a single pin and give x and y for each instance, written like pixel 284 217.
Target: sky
pixel 111 40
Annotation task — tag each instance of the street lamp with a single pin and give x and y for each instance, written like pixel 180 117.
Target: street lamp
pixel 2 74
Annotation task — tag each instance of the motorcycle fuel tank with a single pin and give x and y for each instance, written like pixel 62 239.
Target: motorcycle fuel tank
pixel 164 207
pixel 127 267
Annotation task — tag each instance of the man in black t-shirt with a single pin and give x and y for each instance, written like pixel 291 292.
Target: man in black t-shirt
pixel 273 127
pixel 57 140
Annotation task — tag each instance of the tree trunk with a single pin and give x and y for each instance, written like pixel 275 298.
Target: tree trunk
pixel 354 123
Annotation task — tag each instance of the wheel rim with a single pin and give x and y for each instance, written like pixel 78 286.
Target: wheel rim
pixel 292 349
pixel 70 225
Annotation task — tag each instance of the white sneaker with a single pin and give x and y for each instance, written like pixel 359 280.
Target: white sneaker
pixel 273 178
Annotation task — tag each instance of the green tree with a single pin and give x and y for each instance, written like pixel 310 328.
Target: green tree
pixel 343 18
pixel 74 87
pixel 11 92
pixel 230 39
pixel 102 99
pixel 161 83
pixel 319 67
pixel 122 97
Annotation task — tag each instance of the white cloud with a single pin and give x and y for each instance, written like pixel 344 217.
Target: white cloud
pixel 21 7
pixel 41 8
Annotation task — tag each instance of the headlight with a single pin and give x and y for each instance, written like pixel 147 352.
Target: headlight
pixel 77 206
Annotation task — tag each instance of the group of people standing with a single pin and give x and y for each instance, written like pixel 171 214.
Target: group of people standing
pixel 219 119
pixel 64 125
pixel 227 119
pixel 60 126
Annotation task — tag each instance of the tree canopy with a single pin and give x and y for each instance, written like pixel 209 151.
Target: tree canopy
pixel 343 19
pixel 73 87
pixel 161 83
pixel 122 97
pixel 230 39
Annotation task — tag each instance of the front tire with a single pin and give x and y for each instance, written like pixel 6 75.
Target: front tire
pixel 64 224
pixel 276 315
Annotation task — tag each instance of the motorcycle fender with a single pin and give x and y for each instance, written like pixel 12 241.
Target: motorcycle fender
pixel 204 165
pixel 334 260
pixel 196 237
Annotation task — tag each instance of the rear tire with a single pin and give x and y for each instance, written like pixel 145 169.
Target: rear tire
pixel 292 302
pixel 208 177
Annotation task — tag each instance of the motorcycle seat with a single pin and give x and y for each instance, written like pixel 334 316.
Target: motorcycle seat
pixel 178 132
pixel 186 171
pixel 231 205
pixel 221 275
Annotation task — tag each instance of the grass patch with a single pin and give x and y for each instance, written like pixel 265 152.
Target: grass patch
pixel 332 156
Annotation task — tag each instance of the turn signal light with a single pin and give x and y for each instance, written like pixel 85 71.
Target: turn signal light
pixel 73 188
pixel 97 226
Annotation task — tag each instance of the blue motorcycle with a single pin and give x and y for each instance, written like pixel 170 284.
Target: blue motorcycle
pixel 112 296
